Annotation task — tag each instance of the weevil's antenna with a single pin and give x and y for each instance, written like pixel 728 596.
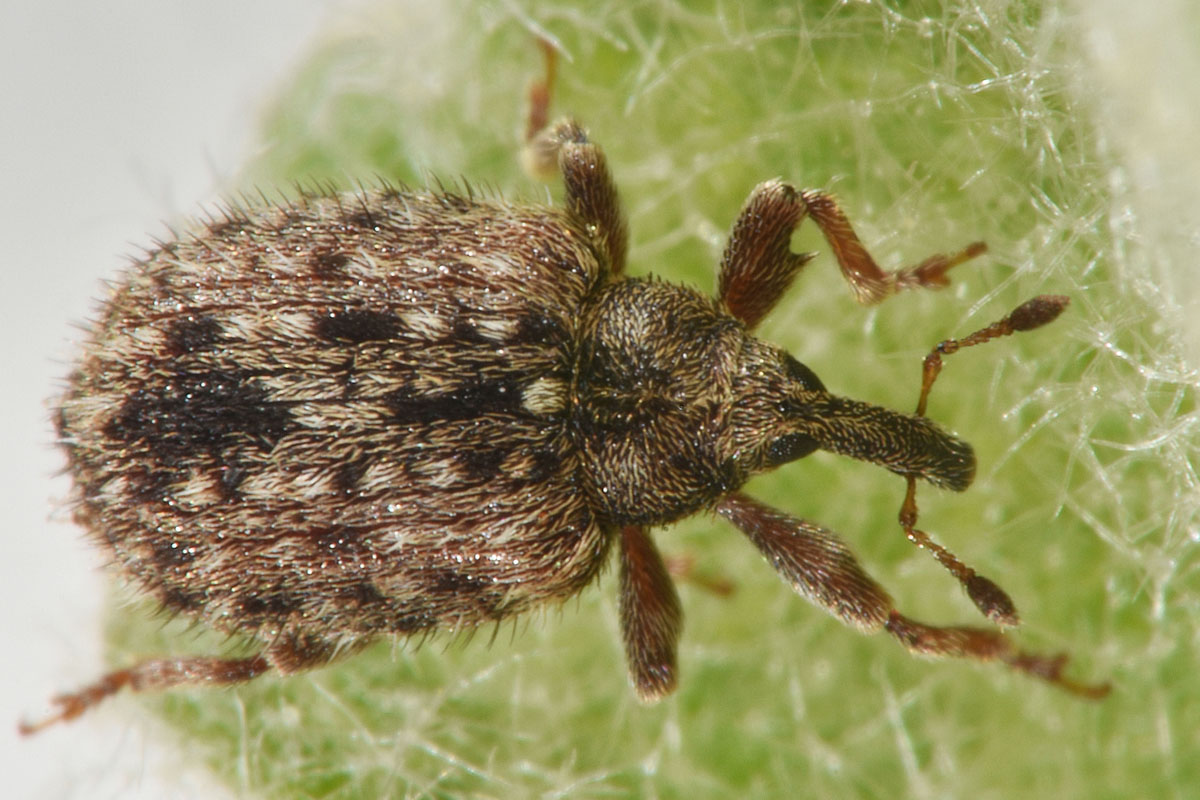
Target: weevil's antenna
pixel 992 601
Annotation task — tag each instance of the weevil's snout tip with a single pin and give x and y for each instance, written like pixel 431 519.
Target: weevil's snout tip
pixel 954 468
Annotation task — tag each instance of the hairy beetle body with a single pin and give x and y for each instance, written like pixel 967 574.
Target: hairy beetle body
pixel 396 412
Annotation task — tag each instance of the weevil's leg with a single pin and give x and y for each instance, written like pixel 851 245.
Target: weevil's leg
pixel 651 618
pixel 758 265
pixel 820 567
pixel 540 92
pixel 564 148
pixel 591 195
pixel 682 567
pixel 872 284
pixel 151 676
pixel 989 598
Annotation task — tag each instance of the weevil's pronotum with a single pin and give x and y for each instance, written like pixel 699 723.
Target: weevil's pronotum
pixel 397 412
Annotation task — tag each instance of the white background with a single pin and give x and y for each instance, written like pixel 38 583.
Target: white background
pixel 115 117
pixel 120 116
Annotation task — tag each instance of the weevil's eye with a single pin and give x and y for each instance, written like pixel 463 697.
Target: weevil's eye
pixel 789 448
pixel 802 374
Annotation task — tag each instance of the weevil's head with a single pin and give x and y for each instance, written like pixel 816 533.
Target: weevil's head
pixel 675 404
pixel 780 411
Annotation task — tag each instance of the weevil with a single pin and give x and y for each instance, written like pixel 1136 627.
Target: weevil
pixel 395 412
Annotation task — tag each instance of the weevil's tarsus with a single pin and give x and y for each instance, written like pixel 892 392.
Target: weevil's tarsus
pixel 154 675
pixel 1050 668
pixel 682 567
pixel 981 644
pixel 540 93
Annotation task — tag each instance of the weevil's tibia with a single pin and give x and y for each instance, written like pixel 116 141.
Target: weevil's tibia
pixel 651 617
pixel 150 676
pixel 819 566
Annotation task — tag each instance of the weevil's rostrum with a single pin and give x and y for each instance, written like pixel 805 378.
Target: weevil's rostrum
pixel 396 412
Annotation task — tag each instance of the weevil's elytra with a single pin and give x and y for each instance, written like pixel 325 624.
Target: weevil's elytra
pixel 397 412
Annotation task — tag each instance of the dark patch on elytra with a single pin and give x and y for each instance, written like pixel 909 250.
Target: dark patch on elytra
pixel 152 485
pixel 229 479
pixel 348 476
pixel 467 401
pixel 360 217
pixel 455 202
pixel 349 541
pixel 169 554
pixel 192 334
pixel 200 412
pixel 289 217
pixel 482 463
pixel 451 583
pixel 228 226
pixel 271 604
pixel 361 595
pixel 325 263
pixel 545 462
pixel 358 325
pixel 181 600
pixel 536 328
pixel 464 331
pixel 412 615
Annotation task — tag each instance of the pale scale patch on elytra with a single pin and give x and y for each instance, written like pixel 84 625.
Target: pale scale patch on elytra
pixel 266 486
pixel 201 489
pixel 545 396
pixel 428 324
pixel 140 338
pixel 246 326
pixel 115 489
pixel 381 475
pixel 361 266
pixel 442 473
pixel 496 329
pixel 93 411
pixel 502 268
